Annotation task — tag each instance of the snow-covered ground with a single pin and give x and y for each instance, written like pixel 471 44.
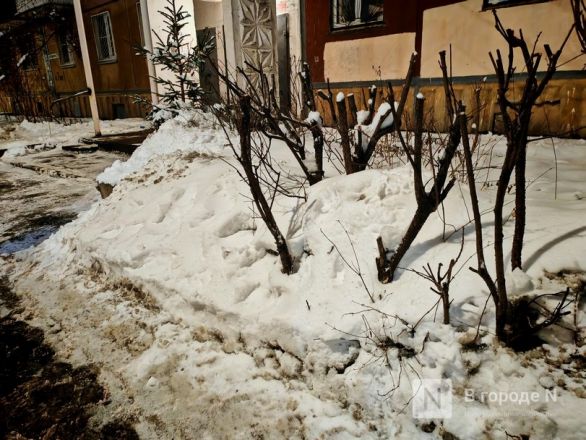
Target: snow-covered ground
pixel 169 286
pixel 15 138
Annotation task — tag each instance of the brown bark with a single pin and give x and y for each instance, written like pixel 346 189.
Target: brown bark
pixel 427 202
pixel 316 130
pixel 308 98
pixel 422 213
pixel 516 118
pixel 245 159
pixel 343 129
pixel 445 295
pixel 520 208
pixel 579 10
pixel 480 269
pixel 353 110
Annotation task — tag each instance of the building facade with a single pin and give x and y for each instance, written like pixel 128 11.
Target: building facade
pixel 113 30
pixel 247 32
pixel 50 81
pixel 355 43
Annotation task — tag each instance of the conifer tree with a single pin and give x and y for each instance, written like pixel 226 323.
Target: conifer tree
pixel 176 54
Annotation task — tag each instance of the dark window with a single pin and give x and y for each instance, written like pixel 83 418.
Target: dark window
pixel 347 13
pixel 493 4
pixel 76 109
pixel 119 111
pixel 64 39
pixel 28 55
pixel 104 37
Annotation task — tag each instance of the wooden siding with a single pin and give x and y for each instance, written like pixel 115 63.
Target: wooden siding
pixel 561 109
pixel 116 82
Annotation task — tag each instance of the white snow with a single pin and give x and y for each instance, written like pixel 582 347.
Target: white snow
pixel 204 138
pixel 314 117
pixel 221 342
pixel 518 283
pixel 384 111
pixel 340 97
pixel 361 116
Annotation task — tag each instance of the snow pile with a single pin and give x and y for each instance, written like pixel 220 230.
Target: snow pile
pixel 189 131
pixel 384 109
pixel 189 310
pixel 314 117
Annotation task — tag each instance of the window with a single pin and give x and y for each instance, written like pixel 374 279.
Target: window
pixel 118 111
pixel 346 13
pixel 493 4
pixel 103 35
pixel 66 57
pixel 28 54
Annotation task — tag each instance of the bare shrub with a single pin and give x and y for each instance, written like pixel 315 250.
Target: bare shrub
pixel 254 159
pixel 441 281
pixel 427 200
pixel 579 10
pixel 516 118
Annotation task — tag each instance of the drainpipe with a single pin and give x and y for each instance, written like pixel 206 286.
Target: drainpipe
pixel 87 67
pixel 47 61
pixel 148 42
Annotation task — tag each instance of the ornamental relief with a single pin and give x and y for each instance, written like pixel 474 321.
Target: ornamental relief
pixel 256 30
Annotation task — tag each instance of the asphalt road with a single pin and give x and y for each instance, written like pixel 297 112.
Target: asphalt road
pixel 40 192
pixel 41 396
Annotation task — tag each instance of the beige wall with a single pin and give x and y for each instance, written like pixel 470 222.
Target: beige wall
pixel 358 60
pixel 472 35
pixel 208 13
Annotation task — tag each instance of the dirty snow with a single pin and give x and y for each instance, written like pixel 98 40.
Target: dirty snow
pixel 30 137
pixel 168 283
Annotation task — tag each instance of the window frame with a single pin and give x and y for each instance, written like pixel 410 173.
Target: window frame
pixel 112 44
pixel 60 45
pixel 356 24
pixel 509 4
